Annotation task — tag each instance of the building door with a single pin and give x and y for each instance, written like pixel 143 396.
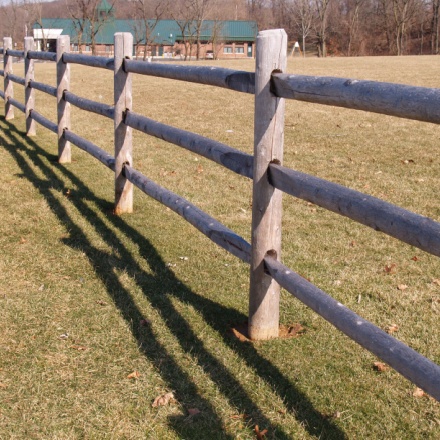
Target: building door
pixel 249 52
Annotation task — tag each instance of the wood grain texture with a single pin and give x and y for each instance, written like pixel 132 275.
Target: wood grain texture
pixel 419 103
pixel 16 79
pixel 89 105
pixel 46 88
pixel 16 53
pixel 29 93
pixel 237 80
pixel 40 119
pixel 123 133
pixel 43 56
pixel 89 60
pixel 17 104
pixel 8 86
pixel 63 107
pixel 266 205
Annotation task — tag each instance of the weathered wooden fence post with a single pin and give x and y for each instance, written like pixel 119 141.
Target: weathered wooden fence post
pixel 266 206
pixel 63 107
pixel 29 93
pixel 8 87
pixel 123 133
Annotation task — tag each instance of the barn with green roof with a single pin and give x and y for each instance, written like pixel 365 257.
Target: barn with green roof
pixel 152 38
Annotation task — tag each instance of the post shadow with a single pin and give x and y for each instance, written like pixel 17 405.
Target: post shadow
pixel 167 285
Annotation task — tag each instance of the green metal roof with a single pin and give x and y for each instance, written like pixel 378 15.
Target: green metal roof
pixel 166 32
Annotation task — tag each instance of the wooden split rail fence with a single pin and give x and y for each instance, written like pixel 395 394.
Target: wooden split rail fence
pixel 270 179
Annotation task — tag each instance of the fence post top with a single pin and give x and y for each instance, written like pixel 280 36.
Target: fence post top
pixel 272 33
pixel 127 36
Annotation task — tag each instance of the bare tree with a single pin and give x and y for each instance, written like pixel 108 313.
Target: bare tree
pixel 302 12
pixel 149 12
pixel 199 10
pixel 435 26
pixel 183 16
pixel 353 23
pixel 87 20
pixel 12 20
pixel 321 8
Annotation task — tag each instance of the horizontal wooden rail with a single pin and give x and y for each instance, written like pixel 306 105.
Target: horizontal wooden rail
pixel 232 159
pixel 15 53
pixel 89 105
pixel 2 94
pixel 88 60
pixel 397 222
pixel 207 225
pixel 17 79
pixel 237 80
pixel 2 72
pixel 46 88
pixel 85 145
pixel 37 117
pixel 43 56
pixel 409 363
pixel 17 104
pixel 418 103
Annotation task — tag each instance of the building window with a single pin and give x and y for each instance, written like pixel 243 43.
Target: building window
pixel 239 49
pixel 108 48
pixel 227 49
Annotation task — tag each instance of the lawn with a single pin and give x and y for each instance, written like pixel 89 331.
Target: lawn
pixel 102 314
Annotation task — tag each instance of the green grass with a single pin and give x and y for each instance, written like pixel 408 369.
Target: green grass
pixel 127 301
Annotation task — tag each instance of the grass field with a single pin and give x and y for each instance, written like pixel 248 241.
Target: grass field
pixel 88 298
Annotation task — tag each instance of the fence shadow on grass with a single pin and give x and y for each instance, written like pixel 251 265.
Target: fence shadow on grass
pixel 159 288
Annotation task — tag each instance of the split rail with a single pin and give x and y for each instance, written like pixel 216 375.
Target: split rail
pixel 270 178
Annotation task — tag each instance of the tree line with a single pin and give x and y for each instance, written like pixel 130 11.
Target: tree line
pixel 321 27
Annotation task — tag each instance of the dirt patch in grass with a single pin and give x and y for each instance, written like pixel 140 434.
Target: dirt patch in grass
pixel 240 331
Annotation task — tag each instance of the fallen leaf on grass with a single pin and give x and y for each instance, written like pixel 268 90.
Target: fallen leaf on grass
pixel 101 303
pixel 260 434
pixel 193 411
pixel 436 281
pixel 418 392
pixel 402 287
pixel 415 258
pixel 239 416
pixel 23 240
pixel 2 385
pixel 392 328
pixel 78 347
pixel 134 375
pixel 380 366
pixel 391 268
pixel 163 400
